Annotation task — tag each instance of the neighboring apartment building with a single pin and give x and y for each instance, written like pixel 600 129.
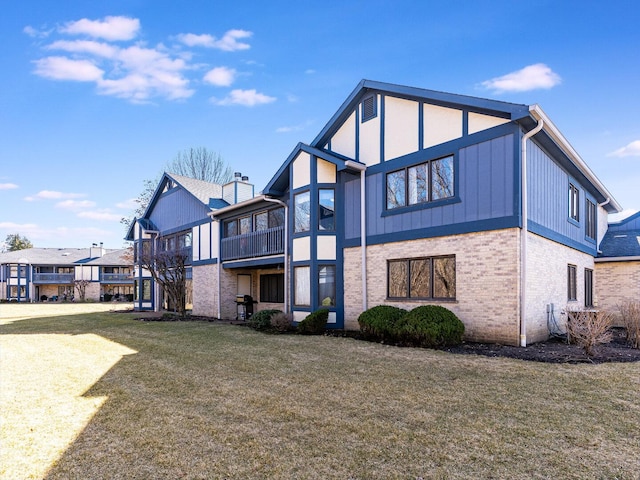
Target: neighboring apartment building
pixel 618 264
pixel 48 274
pixel 407 196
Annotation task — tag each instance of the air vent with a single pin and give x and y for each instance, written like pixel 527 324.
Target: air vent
pixel 369 109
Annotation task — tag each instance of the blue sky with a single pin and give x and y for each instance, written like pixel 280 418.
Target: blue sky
pixel 96 97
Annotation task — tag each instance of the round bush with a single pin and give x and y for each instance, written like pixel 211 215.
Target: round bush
pixel 380 322
pixel 262 320
pixel 430 326
pixel 314 323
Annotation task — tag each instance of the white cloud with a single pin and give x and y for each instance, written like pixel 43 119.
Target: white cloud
pixel 309 71
pixel 102 215
pixel 631 150
pixel 229 41
pixel 129 204
pixel 75 204
pixel 111 28
pixel 220 76
pixel 63 68
pixel 53 195
pixel 294 128
pixel 247 98
pixel 8 186
pixel 17 226
pixel 531 77
pixel 92 47
pixel 136 72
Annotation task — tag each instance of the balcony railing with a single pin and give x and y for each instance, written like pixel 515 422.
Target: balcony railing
pixel 117 277
pixel 254 244
pixel 53 277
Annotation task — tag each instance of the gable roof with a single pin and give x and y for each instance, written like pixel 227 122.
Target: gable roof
pixel 207 193
pixel 512 111
pixel 280 181
pixel 65 256
pixel 526 115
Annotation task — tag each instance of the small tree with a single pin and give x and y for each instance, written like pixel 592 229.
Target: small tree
pixel 15 242
pixel 81 288
pixel 168 269
pixel 589 329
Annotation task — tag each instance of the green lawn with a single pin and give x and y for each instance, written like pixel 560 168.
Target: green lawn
pixel 104 396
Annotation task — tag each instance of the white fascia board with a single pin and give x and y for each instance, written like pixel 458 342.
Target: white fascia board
pixel 235 206
pixel 616 259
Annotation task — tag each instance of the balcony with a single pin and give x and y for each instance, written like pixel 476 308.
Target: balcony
pixel 255 244
pixel 117 278
pixel 53 278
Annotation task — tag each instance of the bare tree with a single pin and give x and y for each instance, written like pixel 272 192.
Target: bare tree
pixel 168 269
pixel 589 329
pixel 81 288
pixel 201 164
pixel 198 163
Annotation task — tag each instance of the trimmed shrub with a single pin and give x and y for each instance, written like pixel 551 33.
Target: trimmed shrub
pixel 262 320
pixel 282 322
pixel 430 326
pixel 314 323
pixel 380 322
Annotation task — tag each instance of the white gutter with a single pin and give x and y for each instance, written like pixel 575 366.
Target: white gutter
pixel 616 259
pixel 363 228
pixel 286 249
pixel 524 231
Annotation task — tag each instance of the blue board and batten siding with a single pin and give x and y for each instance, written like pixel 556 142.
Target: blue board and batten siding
pixel 485 198
pixel 548 202
pixel 176 209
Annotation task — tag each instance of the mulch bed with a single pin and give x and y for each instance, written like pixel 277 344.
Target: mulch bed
pixel 554 350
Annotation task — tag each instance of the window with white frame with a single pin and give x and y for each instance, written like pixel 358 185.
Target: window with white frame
pixel 574 202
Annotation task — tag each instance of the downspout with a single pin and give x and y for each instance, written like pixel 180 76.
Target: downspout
pixel 524 234
pixel 219 302
pixel 363 229
pixel 598 251
pixel 286 249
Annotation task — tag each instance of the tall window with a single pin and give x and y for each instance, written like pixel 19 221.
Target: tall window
pixel 302 282
pixel 572 279
pixel 421 183
pixel 272 288
pixel 327 285
pixel 302 212
pixel 574 202
pixel 426 277
pixel 588 287
pixel 326 206
pixel 590 227
pixel 146 290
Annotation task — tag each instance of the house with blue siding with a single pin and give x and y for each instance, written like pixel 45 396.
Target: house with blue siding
pixel 406 197
pixel 51 274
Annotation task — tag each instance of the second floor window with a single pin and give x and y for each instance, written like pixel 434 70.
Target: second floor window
pixel 426 182
pixel 574 202
pixel 590 227
pixel 326 213
pixel 302 212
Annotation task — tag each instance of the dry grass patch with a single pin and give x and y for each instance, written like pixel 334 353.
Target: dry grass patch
pixel 203 400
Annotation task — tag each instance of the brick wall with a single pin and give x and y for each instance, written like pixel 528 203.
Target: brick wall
pixel 487 280
pixel 205 291
pixel 547 284
pixel 618 282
